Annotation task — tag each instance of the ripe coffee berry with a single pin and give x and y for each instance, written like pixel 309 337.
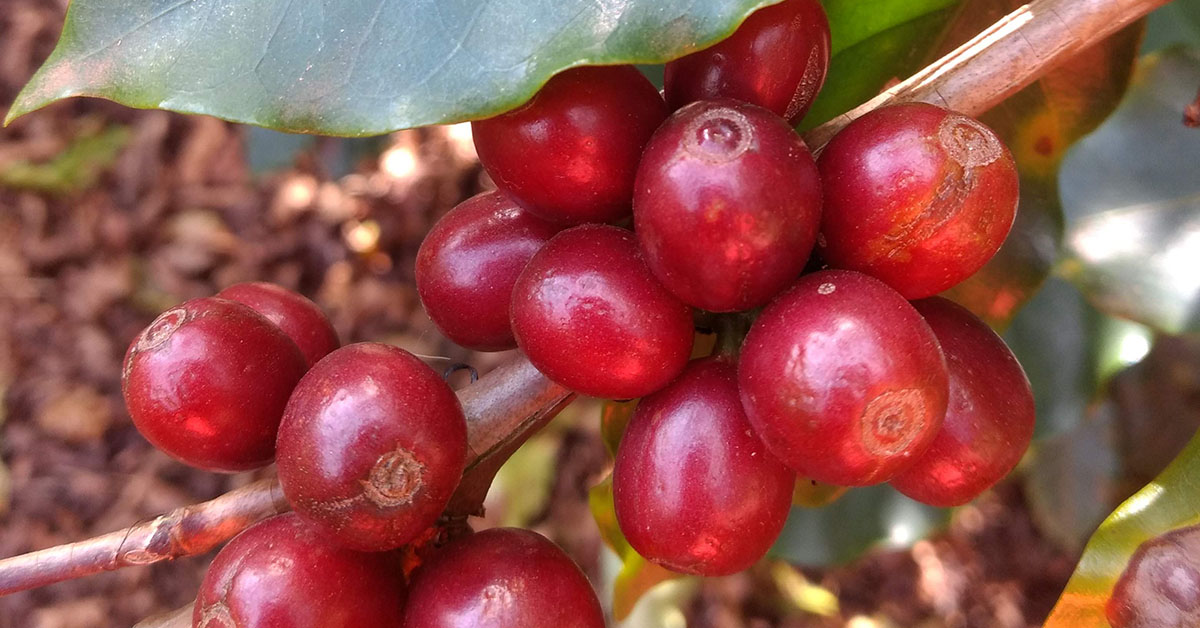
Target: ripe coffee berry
pixel 776 59
pixel 468 263
pixel 695 490
pixel 281 573
pixel 371 447
pixel 989 418
pixel 843 380
pixel 298 317
pixel 207 382
pixel 570 154
pixel 727 205
pixel 916 196
pixel 589 315
pixel 501 578
pixel 1161 586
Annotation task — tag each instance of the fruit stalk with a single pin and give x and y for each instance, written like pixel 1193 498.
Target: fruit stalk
pixel 1003 59
pixel 502 408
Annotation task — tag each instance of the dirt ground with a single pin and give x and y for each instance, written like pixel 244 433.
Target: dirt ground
pixel 133 211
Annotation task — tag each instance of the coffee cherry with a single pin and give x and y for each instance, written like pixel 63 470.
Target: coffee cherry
pixel 727 205
pixel 501 578
pixel 989 418
pixel 695 490
pixel 916 196
pixel 776 59
pixel 299 318
pixel 1161 586
pixel 207 382
pixel 843 380
pixel 570 154
pixel 280 573
pixel 589 315
pixel 371 447
pixel 468 263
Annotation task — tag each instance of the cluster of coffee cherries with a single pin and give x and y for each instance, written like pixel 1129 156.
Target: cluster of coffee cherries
pixel 623 216
pixel 370 445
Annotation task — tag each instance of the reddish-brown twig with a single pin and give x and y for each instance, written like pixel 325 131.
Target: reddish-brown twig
pixel 503 407
pixel 1005 58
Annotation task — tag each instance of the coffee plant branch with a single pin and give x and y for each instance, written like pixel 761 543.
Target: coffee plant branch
pixel 512 402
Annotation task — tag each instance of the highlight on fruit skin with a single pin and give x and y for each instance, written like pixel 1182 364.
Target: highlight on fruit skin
pixel 843 380
pixel 727 205
pixel 207 383
pixel 372 446
pixel 281 573
pixel 1160 588
pixel 570 154
pixel 468 264
pixel 777 59
pixel 989 418
pixel 694 488
pixel 501 578
pixel 917 196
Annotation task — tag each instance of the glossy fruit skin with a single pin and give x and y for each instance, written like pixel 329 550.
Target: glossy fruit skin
pixel 1160 588
pixel 916 196
pixel 207 383
pixel 695 489
pixel 989 418
pixel 727 205
pixel 281 573
pixel 299 318
pixel 570 154
pixel 776 59
pixel 372 446
pixel 843 380
pixel 502 578
pixel 590 315
pixel 468 263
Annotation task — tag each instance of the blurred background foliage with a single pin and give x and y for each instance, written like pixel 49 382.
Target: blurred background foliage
pixel 1097 291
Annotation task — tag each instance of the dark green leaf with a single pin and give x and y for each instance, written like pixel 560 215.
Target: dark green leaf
pixel 356 67
pixel 1176 23
pixel 1132 197
pixel 875 516
pixel 875 41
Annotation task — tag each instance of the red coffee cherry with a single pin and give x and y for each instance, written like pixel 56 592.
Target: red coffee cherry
pixel 299 318
pixel 916 196
pixel 371 447
pixel 727 205
pixel 843 380
pixel 468 263
pixel 501 578
pixel 695 490
pixel 569 155
pixel 589 315
pixel 776 59
pixel 989 418
pixel 207 382
pixel 280 573
pixel 1161 586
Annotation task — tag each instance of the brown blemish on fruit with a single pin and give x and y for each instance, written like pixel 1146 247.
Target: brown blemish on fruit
pixel 968 142
pixel 162 329
pixel 718 135
pixel 216 616
pixel 1177 581
pixel 892 421
pixel 395 479
pixel 807 87
pixel 952 192
pixel 826 288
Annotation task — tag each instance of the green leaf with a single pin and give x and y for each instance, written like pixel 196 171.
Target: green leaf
pixel 875 41
pixel 862 519
pixel 1039 124
pixel 356 67
pixel 1167 503
pixel 1132 198
pixel 1176 23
